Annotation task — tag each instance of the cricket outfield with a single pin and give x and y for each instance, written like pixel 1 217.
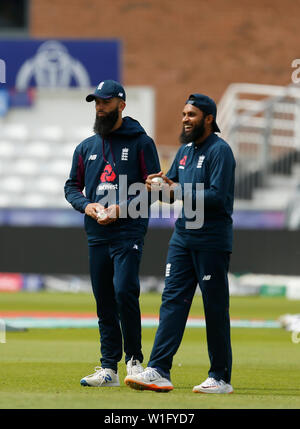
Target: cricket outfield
pixel 41 368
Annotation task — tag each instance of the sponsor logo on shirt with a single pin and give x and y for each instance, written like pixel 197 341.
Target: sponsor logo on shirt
pixel 92 157
pixel 106 187
pixel 108 174
pixel 182 162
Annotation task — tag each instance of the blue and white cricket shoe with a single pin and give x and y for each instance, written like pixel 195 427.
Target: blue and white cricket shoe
pixel 102 377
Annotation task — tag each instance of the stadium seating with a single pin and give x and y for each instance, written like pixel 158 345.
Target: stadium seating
pixel 34 165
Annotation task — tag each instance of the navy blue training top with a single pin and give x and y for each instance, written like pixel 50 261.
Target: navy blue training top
pixel 98 163
pixel 211 163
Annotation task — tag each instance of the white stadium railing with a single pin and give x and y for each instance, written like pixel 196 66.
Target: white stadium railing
pixel 262 125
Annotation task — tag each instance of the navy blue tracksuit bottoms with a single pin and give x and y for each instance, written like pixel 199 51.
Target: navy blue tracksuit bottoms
pixel 184 270
pixel 114 271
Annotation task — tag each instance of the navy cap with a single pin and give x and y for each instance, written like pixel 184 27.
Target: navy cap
pixel 108 89
pixel 207 105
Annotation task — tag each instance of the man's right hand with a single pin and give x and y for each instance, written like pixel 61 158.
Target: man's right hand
pixel 92 210
pixel 167 187
pixel 149 185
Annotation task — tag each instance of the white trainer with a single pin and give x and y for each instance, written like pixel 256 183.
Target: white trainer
pixel 149 379
pixel 134 367
pixel 102 377
pixel 210 385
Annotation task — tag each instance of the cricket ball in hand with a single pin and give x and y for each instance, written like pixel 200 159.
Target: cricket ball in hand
pixel 101 214
pixel 157 180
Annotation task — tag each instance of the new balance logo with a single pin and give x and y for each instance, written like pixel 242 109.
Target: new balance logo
pixel 124 155
pixel 208 277
pixel 168 269
pixel 135 246
pixel 92 157
pixel 200 161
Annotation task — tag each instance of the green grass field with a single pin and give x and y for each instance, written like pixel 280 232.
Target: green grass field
pixel 41 368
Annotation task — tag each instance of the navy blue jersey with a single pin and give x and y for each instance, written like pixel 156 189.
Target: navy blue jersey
pixel 97 165
pixel 211 163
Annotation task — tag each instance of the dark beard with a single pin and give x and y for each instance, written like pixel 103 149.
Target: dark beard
pixel 104 124
pixel 194 135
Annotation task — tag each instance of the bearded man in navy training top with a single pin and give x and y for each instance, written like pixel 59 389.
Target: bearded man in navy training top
pixel 196 255
pixel 120 148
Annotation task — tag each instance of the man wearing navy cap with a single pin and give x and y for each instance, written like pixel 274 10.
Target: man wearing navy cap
pixel 196 255
pixel 119 148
